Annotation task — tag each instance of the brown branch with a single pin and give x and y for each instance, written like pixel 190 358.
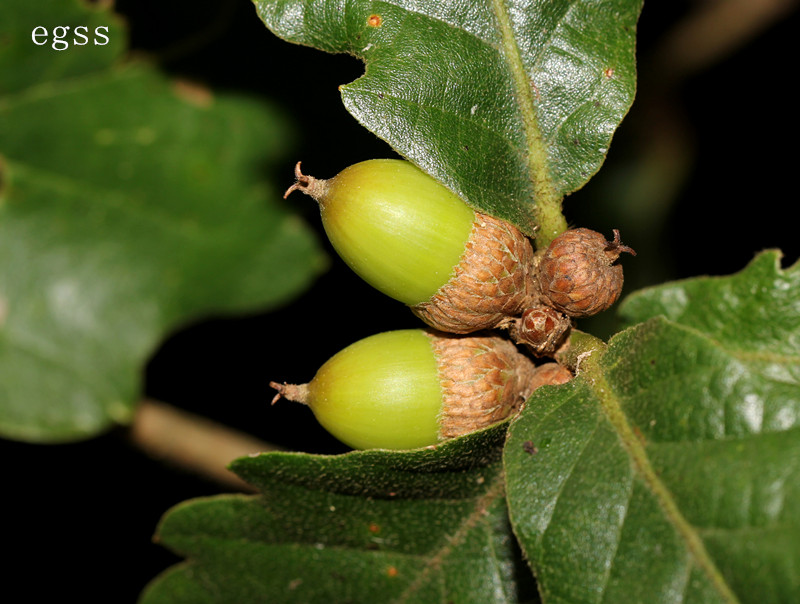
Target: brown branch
pixel 713 30
pixel 194 443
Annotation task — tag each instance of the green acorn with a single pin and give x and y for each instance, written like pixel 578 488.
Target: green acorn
pixel 413 239
pixel 415 387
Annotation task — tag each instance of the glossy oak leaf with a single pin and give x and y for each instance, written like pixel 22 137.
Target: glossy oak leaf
pixel 129 205
pixel 669 470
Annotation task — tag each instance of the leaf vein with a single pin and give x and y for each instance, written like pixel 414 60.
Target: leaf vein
pixel 610 404
pixel 547 202
pixel 567 475
pixel 434 563
pixel 612 557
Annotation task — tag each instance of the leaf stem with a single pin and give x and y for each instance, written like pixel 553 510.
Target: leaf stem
pixel 590 368
pixel 579 345
pixel 547 208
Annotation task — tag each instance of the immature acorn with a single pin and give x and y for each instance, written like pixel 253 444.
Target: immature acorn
pixel 410 237
pixel 577 274
pixel 542 329
pixel 415 387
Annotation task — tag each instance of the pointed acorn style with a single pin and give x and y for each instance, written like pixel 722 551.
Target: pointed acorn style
pixel 412 388
pixel 410 237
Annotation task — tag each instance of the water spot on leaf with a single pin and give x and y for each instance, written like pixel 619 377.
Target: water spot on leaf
pixel 105 136
pixel 145 136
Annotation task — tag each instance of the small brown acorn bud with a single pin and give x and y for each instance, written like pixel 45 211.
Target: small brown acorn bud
pixel 577 274
pixel 541 328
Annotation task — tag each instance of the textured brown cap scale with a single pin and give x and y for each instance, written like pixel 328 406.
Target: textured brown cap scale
pixel 491 282
pixel 577 275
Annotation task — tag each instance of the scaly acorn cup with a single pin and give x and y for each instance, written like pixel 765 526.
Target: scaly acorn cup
pixel 410 237
pixel 415 387
pixel 577 275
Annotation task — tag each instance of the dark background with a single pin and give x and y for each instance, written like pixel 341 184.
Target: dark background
pixel 698 180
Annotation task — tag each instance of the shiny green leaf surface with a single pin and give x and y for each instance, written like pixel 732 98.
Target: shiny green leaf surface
pixel 668 470
pixel 756 310
pixel 129 205
pixel 511 104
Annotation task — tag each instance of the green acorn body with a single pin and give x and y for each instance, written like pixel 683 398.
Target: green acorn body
pixel 412 388
pixel 410 237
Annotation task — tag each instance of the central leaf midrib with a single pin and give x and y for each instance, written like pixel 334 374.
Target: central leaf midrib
pixel 612 409
pixel 547 202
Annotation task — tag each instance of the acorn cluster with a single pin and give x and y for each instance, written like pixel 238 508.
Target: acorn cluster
pixel 470 277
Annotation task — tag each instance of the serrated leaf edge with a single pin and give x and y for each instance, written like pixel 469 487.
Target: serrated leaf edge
pixel 770 256
pixel 433 563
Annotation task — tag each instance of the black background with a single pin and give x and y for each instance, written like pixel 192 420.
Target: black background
pixel 81 516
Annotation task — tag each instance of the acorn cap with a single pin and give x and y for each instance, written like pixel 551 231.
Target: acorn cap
pixel 484 380
pixel 490 285
pixel 541 329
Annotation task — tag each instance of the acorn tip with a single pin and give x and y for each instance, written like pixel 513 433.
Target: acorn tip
pixel 297 393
